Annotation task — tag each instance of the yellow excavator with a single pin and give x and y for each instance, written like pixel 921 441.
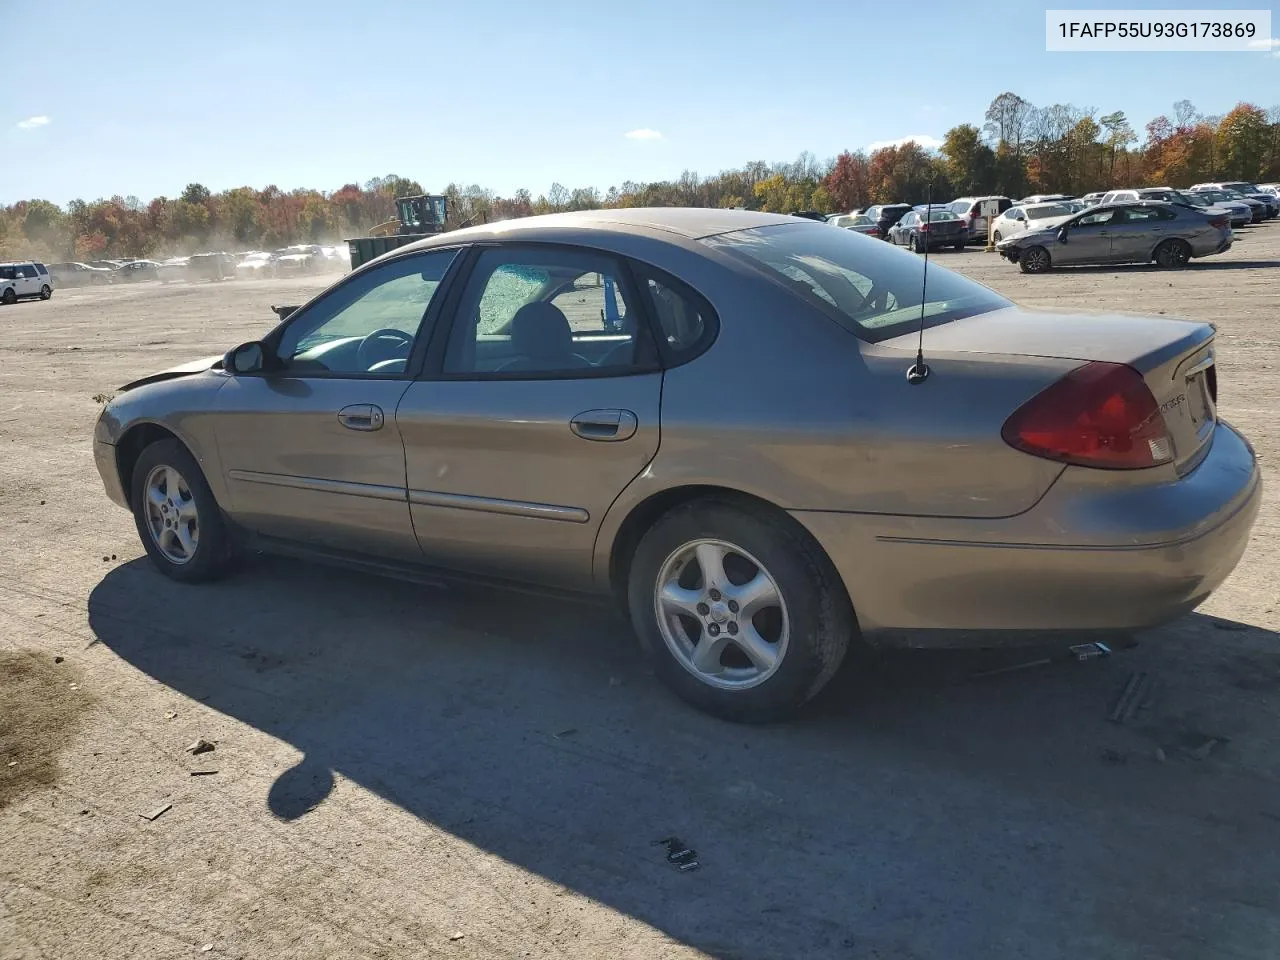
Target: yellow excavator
pixel 416 217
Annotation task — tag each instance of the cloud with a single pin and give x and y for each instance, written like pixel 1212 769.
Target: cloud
pixel 1267 43
pixel 923 139
pixel 644 133
pixel 32 122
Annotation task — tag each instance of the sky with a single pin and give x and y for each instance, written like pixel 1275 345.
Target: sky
pixel 144 98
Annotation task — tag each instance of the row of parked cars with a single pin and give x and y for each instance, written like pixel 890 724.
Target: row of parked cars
pixel 32 279
pixel 1141 225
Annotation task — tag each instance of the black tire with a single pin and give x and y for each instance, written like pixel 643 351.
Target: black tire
pixel 1173 254
pixel 46 292
pixel 996 238
pixel 820 619
pixel 1034 260
pixel 9 297
pixel 912 245
pixel 214 551
pixel 958 246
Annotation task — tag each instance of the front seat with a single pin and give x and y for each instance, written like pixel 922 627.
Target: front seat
pixel 540 333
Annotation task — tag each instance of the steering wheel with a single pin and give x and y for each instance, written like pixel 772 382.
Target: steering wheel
pixel 383 345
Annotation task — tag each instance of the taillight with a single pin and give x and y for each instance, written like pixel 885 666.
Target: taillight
pixel 1220 222
pixel 924 228
pixel 1098 415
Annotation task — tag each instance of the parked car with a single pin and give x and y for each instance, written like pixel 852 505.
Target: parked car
pixel 1032 216
pixel 526 449
pixel 298 259
pixel 136 271
pixel 841 219
pixel 1044 198
pixel 1141 232
pixel 1091 199
pixel 864 224
pixel 211 266
pixel 886 215
pixel 173 269
pixel 1271 188
pixel 968 209
pixel 1239 213
pixel 1250 191
pixel 76 274
pixel 920 229
pixel 256 266
pixel 1258 211
pixel 24 280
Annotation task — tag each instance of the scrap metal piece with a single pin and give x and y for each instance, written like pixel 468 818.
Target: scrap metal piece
pixel 683 857
pixel 1132 698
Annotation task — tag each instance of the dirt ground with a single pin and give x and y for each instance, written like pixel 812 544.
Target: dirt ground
pixel 412 772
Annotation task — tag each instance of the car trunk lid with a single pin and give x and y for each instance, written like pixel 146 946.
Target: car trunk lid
pixel 1175 358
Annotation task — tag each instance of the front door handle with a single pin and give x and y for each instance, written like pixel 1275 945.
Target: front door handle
pixel 361 416
pixel 605 424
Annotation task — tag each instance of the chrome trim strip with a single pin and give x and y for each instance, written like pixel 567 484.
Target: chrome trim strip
pixel 511 508
pixel 373 491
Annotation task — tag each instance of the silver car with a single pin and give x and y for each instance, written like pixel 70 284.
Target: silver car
pixel 1142 232
pixel 718 419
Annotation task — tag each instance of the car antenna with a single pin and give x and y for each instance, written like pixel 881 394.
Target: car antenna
pixel 918 372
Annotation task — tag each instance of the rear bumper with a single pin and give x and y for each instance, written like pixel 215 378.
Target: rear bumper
pixel 1086 557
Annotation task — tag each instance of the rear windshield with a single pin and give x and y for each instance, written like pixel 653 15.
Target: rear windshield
pixel 939 215
pixel 869 287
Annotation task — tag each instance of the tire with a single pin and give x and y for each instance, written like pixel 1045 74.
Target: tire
pixel 211 554
pixel 912 245
pixel 1173 254
pixel 46 292
pixel 9 297
pixel 1035 260
pixel 808 630
pixel 996 238
pixel 958 246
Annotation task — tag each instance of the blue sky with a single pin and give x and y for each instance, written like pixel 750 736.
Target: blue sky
pixel 143 98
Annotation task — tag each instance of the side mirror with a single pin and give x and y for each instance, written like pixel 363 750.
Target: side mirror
pixel 1062 235
pixel 246 358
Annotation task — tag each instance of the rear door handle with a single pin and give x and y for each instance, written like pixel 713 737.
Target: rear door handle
pixel 605 424
pixel 361 416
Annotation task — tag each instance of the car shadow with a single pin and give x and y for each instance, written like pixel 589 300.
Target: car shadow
pixel 924 806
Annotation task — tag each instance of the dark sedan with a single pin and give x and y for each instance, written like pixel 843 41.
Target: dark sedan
pixel 886 215
pixel 942 228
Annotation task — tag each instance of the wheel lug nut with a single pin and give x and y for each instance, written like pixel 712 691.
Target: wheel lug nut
pixel 715 594
pixel 733 627
pixel 703 609
pixel 714 629
pixel 733 606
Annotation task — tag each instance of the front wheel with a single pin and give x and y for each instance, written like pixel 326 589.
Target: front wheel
pixel 46 292
pixel 740 612
pixel 177 517
pixel 996 238
pixel 1034 260
pixel 9 297
pixel 1173 254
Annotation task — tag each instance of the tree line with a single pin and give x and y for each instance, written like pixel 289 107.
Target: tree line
pixel 1018 149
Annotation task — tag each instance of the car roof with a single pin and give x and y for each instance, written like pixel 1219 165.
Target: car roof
pixel 688 222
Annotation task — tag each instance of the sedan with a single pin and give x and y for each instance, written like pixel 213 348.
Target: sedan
pixel 920 230
pixel 458 408
pixel 76 274
pixel 864 224
pixel 1258 211
pixel 1139 232
pixel 1034 216
pixel 138 270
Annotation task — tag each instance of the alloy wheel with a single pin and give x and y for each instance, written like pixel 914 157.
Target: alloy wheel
pixel 172 517
pixel 721 614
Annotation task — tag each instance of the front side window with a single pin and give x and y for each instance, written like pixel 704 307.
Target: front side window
pixel 368 325
pixel 1095 219
pixel 28 271
pixel 533 312
pixel 871 289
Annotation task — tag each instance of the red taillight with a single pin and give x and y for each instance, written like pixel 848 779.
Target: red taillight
pixel 1098 415
pixel 924 227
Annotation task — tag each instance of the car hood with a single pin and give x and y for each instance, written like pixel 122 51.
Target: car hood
pixel 182 370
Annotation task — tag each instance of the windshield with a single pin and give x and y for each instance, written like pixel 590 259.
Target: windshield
pixel 870 288
pixel 1042 211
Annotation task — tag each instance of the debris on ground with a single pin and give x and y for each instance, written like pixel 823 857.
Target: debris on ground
pixel 682 856
pixel 206 948
pixel 1161 755
pixel 203 773
pixel 58 659
pixel 1045 661
pixel 1135 695
pixel 456 936
pixel 170 715
pixel 1090 651
pixel 565 733
pixel 157 813
pixel 1202 752
pixel 200 746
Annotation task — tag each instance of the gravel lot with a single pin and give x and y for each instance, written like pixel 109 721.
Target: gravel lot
pixel 409 772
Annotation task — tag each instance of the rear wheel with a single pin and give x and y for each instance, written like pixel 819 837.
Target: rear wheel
pixel 959 245
pixel 177 517
pixel 739 611
pixel 1173 254
pixel 911 242
pixel 1035 260
pixel 46 292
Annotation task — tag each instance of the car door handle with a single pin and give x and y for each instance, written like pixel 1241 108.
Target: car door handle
pixel 604 424
pixel 361 416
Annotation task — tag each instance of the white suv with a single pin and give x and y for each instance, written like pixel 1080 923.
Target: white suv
pixel 24 278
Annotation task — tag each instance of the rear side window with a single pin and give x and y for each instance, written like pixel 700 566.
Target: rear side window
pixel 41 270
pixel 686 322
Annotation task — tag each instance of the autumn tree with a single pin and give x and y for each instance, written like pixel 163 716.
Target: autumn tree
pixel 846 184
pixel 970 164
